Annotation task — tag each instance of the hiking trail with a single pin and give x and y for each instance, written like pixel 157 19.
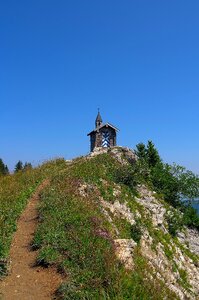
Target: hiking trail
pixel 27 281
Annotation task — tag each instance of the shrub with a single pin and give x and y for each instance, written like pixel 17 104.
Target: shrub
pixel 175 222
pixel 165 183
pixel 136 232
pixel 190 216
pixel 173 182
pixel 126 175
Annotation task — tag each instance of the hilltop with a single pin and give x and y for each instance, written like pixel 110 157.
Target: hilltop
pixel 104 228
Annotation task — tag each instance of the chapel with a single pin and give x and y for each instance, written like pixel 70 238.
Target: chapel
pixel 104 134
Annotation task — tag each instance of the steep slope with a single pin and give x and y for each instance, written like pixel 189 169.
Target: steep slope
pixel 110 239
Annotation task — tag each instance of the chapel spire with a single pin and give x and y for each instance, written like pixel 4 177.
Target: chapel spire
pixel 98 120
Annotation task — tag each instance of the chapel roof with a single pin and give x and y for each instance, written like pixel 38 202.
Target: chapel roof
pixel 101 126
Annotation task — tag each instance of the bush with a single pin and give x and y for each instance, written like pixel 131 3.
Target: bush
pixel 190 216
pixel 172 181
pixel 175 222
pixel 136 232
pixel 165 183
pixel 126 175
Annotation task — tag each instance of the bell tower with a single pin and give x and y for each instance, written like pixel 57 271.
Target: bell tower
pixel 98 121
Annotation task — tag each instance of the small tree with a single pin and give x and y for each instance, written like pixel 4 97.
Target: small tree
pixel 153 156
pixel 27 166
pixel 165 183
pixel 188 182
pixel 141 151
pixel 6 170
pixel 3 168
pixel 173 182
pixel 18 166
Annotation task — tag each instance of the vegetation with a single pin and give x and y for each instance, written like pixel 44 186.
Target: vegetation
pixel 27 166
pixel 19 166
pixel 15 190
pixel 136 231
pixel 74 234
pixel 3 168
pixel 173 182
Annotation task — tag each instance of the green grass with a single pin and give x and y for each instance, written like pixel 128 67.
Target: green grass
pixel 15 190
pixel 75 236
pixel 183 279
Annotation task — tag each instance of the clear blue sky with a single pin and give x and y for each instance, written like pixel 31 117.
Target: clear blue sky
pixel 138 60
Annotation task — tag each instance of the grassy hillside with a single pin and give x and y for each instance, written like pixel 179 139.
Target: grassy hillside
pixel 91 206
pixel 75 235
pixel 15 190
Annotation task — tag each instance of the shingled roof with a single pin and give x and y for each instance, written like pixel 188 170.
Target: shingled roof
pixel 101 126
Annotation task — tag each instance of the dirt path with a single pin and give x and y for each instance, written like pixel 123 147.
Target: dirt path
pixel 25 281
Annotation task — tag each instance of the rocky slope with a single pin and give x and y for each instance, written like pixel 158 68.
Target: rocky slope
pixel 107 233
pixel 173 260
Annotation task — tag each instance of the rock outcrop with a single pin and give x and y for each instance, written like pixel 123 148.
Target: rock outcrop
pixel 173 261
